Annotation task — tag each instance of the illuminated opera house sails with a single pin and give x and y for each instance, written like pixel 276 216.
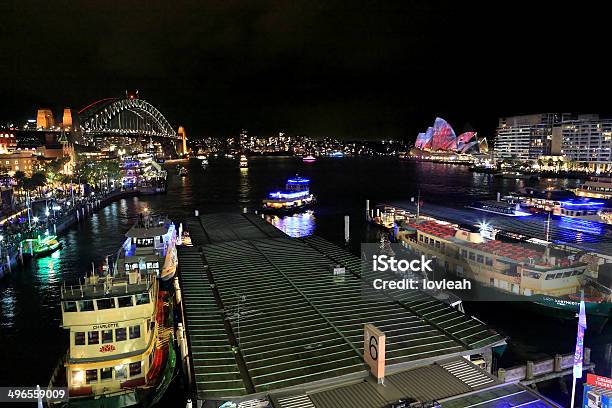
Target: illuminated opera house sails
pixel 441 138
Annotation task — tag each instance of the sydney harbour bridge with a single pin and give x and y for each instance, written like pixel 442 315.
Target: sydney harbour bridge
pixel 128 116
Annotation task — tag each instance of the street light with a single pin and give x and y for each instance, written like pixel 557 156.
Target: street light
pixel 35 219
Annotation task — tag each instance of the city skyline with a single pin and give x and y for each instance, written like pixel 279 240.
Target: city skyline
pixel 360 72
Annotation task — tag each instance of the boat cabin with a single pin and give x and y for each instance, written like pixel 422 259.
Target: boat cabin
pixel 113 332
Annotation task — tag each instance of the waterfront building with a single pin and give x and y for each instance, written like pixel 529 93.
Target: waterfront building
pixel 8 142
pixel 18 161
pixel 441 137
pixel 526 137
pixel 583 140
pixel 587 140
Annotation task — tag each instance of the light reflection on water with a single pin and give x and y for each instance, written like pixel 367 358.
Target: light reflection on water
pixel 296 225
pixel 7 310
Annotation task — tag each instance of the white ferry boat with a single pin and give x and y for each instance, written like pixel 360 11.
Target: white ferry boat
pixel 596 187
pixel 150 246
pixel 121 350
pixel 517 270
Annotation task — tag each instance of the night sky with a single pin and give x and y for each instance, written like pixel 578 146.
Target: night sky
pixel 351 69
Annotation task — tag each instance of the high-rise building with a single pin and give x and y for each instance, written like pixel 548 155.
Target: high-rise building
pixel 587 139
pixel 582 138
pixel 527 137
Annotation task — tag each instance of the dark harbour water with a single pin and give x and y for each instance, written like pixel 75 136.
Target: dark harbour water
pixel 31 340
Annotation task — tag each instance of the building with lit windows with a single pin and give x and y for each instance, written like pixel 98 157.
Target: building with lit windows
pixel 584 139
pixel 587 139
pixel 18 161
pixel 526 137
pixel 8 142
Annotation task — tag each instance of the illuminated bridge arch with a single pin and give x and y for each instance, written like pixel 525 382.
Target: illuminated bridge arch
pixel 129 117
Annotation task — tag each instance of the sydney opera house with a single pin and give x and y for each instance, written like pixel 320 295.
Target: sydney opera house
pixel 441 141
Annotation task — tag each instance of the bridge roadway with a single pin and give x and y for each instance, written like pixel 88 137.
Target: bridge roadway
pixel 577 233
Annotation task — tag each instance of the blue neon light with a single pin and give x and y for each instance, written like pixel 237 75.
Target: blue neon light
pixel 573 203
pixel 285 195
pixel 299 181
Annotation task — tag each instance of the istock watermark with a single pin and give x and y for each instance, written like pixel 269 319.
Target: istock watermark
pixel 398 270
pixel 386 263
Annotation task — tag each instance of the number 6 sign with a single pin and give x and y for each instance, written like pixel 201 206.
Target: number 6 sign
pixel 374 351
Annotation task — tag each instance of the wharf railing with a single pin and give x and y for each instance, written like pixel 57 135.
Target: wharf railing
pixel 536 371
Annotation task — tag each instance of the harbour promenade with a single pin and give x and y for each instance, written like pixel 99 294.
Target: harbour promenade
pixel 83 207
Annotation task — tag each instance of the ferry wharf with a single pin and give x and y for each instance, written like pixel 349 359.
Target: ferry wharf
pixel 274 321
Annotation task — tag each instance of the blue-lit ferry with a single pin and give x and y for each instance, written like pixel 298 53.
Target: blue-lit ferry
pixel 296 197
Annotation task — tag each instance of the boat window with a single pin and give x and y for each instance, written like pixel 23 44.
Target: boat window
pixel 77 377
pixel 108 303
pixel 143 242
pixel 86 305
pixel 464 253
pixel 70 307
pixel 472 256
pixel 135 369
pixel 420 237
pixel 79 338
pixel 107 336
pixel 480 258
pixel 549 276
pixel 135 331
pixel 125 301
pixel 567 274
pixel 152 265
pixel 142 298
pixel 121 372
pixel 120 334
pixel 489 261
pixel 93 337
pixel 106 373
pixel 91 376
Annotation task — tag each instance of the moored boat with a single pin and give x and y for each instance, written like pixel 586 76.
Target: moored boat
pixel 121 351
pixel 499 207
pixel 41 246
pixel 150 246
pixel 546 278
pixel 596 187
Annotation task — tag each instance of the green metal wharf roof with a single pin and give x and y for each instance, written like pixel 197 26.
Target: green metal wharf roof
pixel 295 322
pixel 427 383
pixel 216 371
